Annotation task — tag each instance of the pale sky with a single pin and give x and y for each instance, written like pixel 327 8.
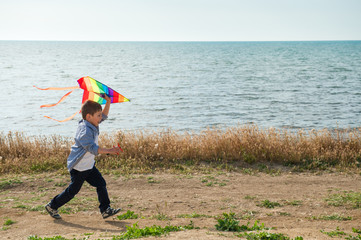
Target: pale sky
pixel 180 20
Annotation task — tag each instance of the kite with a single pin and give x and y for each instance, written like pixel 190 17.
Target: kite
pixel 93 90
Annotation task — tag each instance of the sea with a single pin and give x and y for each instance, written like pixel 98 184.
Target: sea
pixel 184 86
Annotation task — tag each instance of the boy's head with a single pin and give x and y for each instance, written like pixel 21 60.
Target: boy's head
pixel 92 112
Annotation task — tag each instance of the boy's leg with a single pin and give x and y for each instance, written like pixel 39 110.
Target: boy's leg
pixel 77 180
pixel 96 180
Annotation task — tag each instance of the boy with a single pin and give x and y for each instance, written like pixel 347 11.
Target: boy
pixel 81 162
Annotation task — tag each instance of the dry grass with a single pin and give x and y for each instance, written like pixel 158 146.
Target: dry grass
pixel 166 149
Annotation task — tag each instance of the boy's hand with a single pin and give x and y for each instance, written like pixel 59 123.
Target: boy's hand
pixel 107 105
pixel 116 150
pixel 106 97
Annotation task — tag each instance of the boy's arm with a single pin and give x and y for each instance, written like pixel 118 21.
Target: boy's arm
pixel 114 150
pixel 107 105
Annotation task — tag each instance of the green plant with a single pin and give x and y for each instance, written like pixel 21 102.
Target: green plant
pixel 161 217
pixel 4 184
pixel 128 215
pixel 255 227
pixel 152 180
pixel 268 204
pixel 358 237
pixel 335 217
pixel 136 232
pixel 249 158
pixel 293 203
pixel 248 197
pixel 132 232
pixel 228 223
pixel 336 233
pixel 347 199
pixel 350 237
pixel 266 236
pixel 193 215
pixel 9 222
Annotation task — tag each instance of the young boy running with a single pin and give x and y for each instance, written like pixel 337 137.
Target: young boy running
pixel 81 163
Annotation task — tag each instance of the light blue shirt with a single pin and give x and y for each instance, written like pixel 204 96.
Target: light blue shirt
pixel 84 142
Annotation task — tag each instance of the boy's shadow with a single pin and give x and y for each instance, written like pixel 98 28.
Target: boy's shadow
pixel 120 226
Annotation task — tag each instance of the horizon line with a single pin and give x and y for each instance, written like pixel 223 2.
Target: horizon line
pixel 175 41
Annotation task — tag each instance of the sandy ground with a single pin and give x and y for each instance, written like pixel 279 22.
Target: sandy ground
pixel 163 199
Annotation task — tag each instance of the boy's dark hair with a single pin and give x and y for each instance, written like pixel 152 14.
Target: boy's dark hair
pixel 90 107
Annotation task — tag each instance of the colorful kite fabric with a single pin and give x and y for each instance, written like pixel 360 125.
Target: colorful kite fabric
pixel 93 90
pixel 92 86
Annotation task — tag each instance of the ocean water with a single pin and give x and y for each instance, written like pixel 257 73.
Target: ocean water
pixel 185 86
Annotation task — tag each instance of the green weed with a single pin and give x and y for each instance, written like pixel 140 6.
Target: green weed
pixel 60 184
pixel 152 180
pixel 333 217
pixel 268 204
pixel 132 232
pixel 255 227
pixel 346 199
pixel 336 233
pixel 358 237
pixel 38 208
pixel 350 237
pixel 193 215
pixel 284 214
pixel 128 215
pixel 136 232
pixel 266 236
pixel 229 223
pixel 161 217
pixel 9 222
pixel 5 184
pixel 210 181
pixel 248 197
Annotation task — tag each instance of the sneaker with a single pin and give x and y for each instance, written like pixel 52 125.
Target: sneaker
pixel 52 212
pixel 110 212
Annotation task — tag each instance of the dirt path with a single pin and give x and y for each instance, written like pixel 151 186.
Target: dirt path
pixel 163 199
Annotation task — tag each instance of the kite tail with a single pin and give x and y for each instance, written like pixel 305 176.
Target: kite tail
pixel 61 99
pixel 57 88
pixel 66 119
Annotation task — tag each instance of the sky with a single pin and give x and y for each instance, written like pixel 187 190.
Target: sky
pixel 180 20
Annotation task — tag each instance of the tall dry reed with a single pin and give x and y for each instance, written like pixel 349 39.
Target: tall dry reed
pixel 147 149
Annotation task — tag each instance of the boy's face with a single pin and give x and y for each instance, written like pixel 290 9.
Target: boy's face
pixel 95 118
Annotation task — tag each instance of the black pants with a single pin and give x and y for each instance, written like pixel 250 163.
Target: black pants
pixel 94 178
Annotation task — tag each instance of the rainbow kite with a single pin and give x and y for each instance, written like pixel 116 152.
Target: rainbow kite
pixel 93 90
